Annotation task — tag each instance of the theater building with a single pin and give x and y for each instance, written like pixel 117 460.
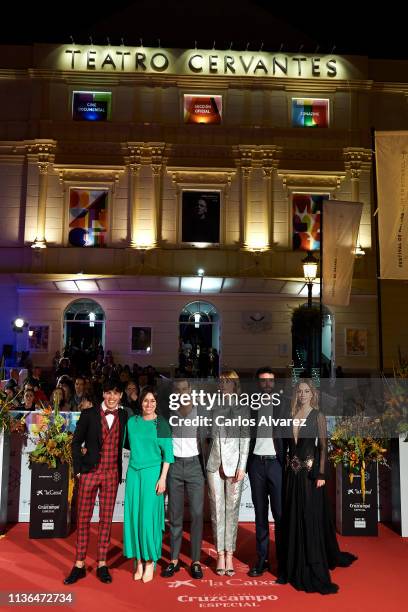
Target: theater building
pixel 151 194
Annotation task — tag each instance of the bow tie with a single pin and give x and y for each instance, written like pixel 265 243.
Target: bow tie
pixel 110 412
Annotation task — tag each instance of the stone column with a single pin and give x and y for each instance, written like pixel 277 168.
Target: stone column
pixel 355 184
pixel 268 177
pixel 245 170
pixel 45 153
pixel 134 173
pixel 245 178
pixel 157 161
pixel 355 161
pixel 269 165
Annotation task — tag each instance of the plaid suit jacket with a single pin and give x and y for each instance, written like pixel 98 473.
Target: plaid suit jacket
pixel 88 431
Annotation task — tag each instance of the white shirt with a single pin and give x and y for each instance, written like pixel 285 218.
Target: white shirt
pixel 264 446
pixel 184 447
pixel 108 417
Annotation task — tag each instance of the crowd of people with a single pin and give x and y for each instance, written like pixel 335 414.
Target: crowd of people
pixel 286 465
pixel 73 389
pixel 121 407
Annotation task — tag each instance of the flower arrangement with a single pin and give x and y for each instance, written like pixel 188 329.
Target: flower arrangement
pixel 8 423
pixel 356 442
pixel 53 442
pixel 396 401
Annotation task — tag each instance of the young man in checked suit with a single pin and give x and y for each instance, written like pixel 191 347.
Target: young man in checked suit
pixel 101 430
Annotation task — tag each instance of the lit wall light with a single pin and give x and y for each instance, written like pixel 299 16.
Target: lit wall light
pixel 144 240
pixel 40 244
pixel 92 318
pixel 201 245
pixel 197 320
pixel 257 243
pixel 359 251
pixel 200 272
pixel 19 324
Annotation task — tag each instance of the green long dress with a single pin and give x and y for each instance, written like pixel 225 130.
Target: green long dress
pixel 150 445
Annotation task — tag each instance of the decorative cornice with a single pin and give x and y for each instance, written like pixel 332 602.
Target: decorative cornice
pixel 144 153
pixel 197 176
pixel 258 156
pixel 357 160
pixel 101 174
pixel 43 152
pixel 314 180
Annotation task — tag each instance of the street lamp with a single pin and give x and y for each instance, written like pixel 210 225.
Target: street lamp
pixel 309 272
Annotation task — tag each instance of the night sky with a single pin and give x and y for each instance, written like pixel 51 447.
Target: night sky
pixel 342 28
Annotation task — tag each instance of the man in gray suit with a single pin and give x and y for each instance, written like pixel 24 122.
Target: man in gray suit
pixel 187 472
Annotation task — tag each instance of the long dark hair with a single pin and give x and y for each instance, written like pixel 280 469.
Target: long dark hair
pixel 143 394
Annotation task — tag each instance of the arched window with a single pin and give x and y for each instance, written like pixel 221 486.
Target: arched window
pixel 84 325
pixel 199 338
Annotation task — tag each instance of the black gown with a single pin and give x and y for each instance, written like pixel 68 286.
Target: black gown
pixel 310 547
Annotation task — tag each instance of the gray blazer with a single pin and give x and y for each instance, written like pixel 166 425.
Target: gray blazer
pixel 229 446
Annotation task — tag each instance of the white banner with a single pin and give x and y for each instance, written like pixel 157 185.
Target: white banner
pixel 392 193
pixel 341 222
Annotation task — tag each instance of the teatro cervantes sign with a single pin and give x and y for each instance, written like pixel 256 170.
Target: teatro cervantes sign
pixel 147 60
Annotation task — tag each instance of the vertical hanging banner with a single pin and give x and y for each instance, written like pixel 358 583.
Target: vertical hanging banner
pixel 392 192
pixel 341 222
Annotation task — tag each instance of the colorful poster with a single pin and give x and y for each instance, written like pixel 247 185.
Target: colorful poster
pixel 202 109
pixel 341 222
pixel 310 112
pixel 392 188
pixel 88 217
pixel 306 221
pixel 91 105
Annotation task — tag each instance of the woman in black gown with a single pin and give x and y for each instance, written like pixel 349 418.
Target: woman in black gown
pixel 309 540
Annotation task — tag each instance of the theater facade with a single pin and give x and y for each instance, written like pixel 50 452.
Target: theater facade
pixel 156 197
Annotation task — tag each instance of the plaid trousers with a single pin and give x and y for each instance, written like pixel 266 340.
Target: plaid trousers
pixel 106 483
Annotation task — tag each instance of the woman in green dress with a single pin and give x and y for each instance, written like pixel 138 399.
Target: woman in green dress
pixel 148 437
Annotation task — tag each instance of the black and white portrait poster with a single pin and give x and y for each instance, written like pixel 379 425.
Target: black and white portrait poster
pixel 141 341
pixel 200 216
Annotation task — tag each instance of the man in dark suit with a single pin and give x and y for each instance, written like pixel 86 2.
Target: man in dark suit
pixel 100 432
pixel 265 466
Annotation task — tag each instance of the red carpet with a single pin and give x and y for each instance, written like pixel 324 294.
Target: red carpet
pixel 377 581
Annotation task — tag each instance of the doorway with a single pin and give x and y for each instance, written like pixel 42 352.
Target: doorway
pixel 84 326
pixel 199 340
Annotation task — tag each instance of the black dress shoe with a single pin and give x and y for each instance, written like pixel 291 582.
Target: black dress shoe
pixel 103 574
pixel 76 574
pixel 196 571
pixel 281 579
pixel 258 569
pixel 170 570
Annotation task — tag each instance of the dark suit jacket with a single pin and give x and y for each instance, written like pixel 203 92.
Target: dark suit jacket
pixel 89 431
